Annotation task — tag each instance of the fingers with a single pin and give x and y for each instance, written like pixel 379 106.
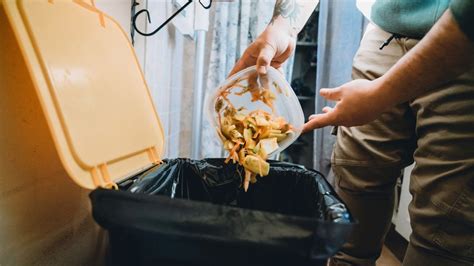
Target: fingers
pixel 265 58
pixel 277 65
pixel 246 60
pixel 262 54
pixel 331 94
pixel 278 60
pixel 330 116
pixel 280 69
pixel 327 109
pixel 241 64
pixel 320 120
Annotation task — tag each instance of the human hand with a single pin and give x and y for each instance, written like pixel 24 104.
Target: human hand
pixel 271 48
pixel 358 102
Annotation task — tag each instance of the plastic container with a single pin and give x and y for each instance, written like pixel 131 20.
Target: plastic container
pixel 286 103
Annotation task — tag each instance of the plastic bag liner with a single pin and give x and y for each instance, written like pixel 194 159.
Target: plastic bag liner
pixel 195 212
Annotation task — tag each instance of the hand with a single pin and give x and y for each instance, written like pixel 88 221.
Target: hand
pixel 358 102
pixel 271 48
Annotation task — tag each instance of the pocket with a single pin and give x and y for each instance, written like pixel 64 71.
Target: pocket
pixel 455 233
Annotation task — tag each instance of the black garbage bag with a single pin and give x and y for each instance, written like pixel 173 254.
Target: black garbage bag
pixel 195 212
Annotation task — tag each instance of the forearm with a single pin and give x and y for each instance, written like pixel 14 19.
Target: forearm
pixel 291 15
pixel 277 42
pixel 442 55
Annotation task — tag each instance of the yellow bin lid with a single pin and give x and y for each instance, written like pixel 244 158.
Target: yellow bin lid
pixel 91 88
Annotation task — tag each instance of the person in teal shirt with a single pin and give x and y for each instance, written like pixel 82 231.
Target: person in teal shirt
pixel 411 100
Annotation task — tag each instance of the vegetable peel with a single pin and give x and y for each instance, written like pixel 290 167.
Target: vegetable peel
pixel 250 137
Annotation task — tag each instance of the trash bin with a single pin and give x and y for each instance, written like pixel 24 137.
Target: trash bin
pixel 188 212
pixel 98 112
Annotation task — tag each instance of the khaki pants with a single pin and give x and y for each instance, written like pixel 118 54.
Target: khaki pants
pixel 436 130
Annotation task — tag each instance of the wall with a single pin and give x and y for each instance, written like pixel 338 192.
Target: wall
pixel 45 218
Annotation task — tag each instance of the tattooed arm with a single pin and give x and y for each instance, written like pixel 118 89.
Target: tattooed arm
pixel 278 40
pixel 293 14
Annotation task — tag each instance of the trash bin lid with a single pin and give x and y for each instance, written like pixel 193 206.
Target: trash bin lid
pixel 91 88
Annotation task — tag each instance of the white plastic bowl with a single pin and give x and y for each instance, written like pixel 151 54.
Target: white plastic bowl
pixel 286 103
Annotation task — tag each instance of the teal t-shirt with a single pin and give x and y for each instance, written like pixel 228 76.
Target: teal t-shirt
pixel 414 18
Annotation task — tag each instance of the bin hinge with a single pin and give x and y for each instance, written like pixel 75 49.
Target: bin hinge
pixel 102 179
pixel 153 155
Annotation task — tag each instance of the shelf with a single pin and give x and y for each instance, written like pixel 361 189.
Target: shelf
pixel 304 68
pixel 305 98
pixel 298 143
pixel 307 44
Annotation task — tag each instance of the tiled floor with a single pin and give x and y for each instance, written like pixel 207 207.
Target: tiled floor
pixel 387 258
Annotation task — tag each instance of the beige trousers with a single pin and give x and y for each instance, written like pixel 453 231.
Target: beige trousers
pixel 436 130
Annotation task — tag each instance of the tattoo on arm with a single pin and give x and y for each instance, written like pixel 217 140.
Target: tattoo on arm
pixel 288 9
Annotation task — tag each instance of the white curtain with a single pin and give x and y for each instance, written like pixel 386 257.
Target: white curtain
pixel 233 27
pixel 167 58
pixel 338 41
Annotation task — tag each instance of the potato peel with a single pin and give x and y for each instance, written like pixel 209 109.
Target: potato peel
pixel 250 137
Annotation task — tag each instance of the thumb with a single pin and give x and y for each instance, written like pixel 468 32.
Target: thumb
pixel 238 66
pixel 265 58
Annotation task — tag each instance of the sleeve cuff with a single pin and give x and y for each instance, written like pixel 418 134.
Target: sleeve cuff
pixel 463 12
